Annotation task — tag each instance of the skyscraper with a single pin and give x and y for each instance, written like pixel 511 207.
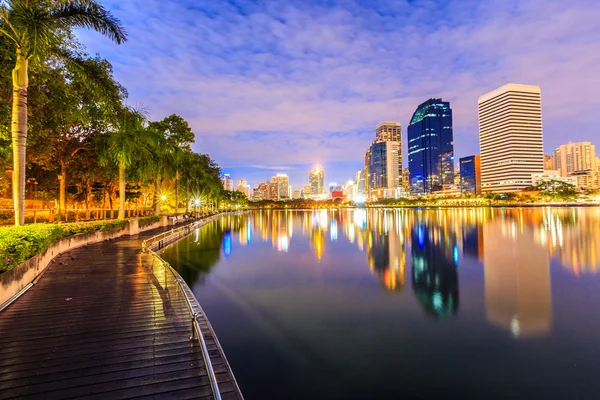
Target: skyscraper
pixel 227 182
pixel 431 147
pixel 384 171
pixel 470 175
pixel 575 157
pixel 359 183
pixel 244 187
pixel 283 183
pixel 388 131
pixel 383 161
pixel 316 181
pixel 510 137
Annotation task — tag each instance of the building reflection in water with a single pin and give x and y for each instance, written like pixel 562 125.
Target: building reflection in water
pixel 434 269
pixel 517 278
pixel 386 253
pixel 514 245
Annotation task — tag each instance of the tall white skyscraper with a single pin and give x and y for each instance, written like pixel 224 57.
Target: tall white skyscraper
pixel 510 137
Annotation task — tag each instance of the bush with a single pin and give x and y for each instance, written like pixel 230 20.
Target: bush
pixel 20 243
pixel 149 220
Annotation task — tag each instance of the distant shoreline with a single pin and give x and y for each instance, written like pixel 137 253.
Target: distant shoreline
pixel 569 205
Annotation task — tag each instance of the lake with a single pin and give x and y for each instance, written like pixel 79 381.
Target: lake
pixel 489 303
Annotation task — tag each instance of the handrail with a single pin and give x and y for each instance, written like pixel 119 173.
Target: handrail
pixel 180 282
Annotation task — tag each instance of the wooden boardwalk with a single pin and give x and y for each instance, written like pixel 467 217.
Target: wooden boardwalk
pixel 106 322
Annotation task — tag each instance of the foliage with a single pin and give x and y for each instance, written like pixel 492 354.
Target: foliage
pixel 144 221
pixel 20 243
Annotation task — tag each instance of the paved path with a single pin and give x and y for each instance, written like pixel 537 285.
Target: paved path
pixel 103 322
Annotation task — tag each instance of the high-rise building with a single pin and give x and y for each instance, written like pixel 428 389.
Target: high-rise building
pixel 548 162
pixel 297 194
pixel 575 157
pixel 359 183
pixel 510 137
pixel 316 181
pixel 405 178
pixel 283 183
pixel 266 191
pixel 470 175
pixel 388 132
pixel 384 171
pixel 227 182
pixel 383 161
pixel 431 147
pixel 244 187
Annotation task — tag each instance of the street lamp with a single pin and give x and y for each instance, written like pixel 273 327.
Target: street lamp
pixel 196 203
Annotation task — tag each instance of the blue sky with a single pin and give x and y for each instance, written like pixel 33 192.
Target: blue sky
pixel 279 86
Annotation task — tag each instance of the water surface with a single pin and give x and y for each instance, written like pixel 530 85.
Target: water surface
pixel 390 304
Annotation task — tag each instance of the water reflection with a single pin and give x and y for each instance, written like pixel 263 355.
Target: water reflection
pixel 513 248
pixel 517 278
pixel 434 270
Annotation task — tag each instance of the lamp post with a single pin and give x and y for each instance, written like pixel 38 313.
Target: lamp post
pixel 196 203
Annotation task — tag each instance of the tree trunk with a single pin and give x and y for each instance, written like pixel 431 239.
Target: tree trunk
pixel 176 191
pixel 62 185
pixel 157 196
pixel 19 135
pixel 121 190
pixel 187 196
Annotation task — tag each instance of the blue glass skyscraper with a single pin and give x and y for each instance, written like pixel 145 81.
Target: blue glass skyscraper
pixel 431 147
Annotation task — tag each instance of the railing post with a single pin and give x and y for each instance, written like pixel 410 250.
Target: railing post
pixel 194 318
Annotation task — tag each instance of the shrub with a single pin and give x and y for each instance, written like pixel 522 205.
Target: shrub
pixel 149 220
pixel 20 243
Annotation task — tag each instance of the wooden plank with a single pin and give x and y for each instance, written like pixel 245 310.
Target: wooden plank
pixel 105 321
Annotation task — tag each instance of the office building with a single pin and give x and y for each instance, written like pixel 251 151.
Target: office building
pixel 388 132
pixel 227 182
pixel 244 187
pixel 548 162
pixel 575 157
pixel 470 175
pixel 359 183
pixel 431 148
pixel 316 181
pixel 297 194
pixel 384 171
pixel 283 184
pixel 510 137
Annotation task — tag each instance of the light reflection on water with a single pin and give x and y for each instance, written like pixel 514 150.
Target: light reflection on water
pixel 354 303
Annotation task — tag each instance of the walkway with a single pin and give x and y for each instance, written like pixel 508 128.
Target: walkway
pixel 103 322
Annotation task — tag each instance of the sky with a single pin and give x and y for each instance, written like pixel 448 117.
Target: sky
pixel 281 86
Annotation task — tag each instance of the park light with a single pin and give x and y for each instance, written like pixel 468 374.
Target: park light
pixel 163 197
pixel 196 202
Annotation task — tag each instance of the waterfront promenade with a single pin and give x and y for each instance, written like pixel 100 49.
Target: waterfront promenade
pixel 107 321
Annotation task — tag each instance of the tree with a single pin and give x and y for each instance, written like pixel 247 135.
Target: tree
pixel 37 30
pixel 129 143
pixel 179 136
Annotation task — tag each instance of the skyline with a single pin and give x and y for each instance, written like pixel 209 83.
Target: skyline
pixel 263 98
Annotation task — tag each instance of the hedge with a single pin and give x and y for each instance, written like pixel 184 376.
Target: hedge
pixel 144 221
pixel 20 243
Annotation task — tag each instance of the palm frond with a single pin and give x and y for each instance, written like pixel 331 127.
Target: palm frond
pixel 89 14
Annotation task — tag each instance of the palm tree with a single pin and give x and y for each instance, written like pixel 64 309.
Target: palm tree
pixel 38 29
pixel 129 143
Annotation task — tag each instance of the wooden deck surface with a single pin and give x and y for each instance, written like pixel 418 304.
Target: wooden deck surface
pixel 106 322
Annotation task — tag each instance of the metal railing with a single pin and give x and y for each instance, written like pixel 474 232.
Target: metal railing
pixel 196 330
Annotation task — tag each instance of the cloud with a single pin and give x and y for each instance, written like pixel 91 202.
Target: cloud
pixel 274 83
